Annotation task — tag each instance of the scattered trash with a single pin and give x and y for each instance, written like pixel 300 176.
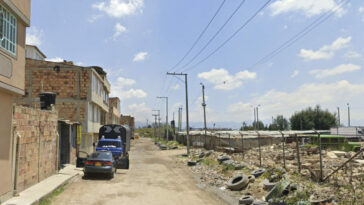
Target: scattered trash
pixel 277 190
pixel 268 185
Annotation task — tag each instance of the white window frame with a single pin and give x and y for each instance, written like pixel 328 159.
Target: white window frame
pixel 8 40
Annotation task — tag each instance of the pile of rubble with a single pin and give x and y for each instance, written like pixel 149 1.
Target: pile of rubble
pixel 241 175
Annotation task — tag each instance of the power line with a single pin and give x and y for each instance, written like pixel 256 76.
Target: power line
pixel 299 35
pixel 201 34
pixel 193 45
pixel 232 36
pixel 217 33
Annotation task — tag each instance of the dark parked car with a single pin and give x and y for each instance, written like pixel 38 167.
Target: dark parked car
pixel 100 162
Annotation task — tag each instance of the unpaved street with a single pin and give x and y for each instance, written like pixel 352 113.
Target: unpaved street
pixel 154 178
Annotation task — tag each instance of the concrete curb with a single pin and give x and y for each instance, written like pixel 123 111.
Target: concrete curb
pixel 37 192
pixel 54 189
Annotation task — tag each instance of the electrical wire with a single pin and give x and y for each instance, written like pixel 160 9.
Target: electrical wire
pixel 216 34
pixel 231 37
pixel 200 36
pixel 299 35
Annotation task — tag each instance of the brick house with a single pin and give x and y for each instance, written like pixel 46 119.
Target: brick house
pixel 114 110
pixel 14 18
pixel 82 94
pixel 127 120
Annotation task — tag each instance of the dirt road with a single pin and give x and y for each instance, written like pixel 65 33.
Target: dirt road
pixel 153 178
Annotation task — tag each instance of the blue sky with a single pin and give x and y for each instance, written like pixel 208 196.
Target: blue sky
pixel 138 41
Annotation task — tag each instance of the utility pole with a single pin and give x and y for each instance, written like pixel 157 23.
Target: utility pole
pixel 179 119
pixel 155 125
pixel 204 109
pixel 187 120
pixel 159 123
pixel 166 113
pixel 338 120
pixel 348 114
pixel 254 122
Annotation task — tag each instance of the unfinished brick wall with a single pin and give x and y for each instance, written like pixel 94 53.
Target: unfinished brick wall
pixel 127 120
pixel 34 126
pixel 66 82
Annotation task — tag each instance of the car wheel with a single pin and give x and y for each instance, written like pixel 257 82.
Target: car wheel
pixel 112 175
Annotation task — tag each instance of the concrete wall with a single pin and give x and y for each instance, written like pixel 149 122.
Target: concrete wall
pixel 6 145
pixel 37 131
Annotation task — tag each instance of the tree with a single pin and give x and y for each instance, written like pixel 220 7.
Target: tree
pixel 279 123
pixel 259 125
pixel 313 118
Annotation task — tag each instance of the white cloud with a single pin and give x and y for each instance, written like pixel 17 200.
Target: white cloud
pixel 340 69
pixel 80 63
pixel 361 9
pixel 118 28
pixel 273 102
pixel 295 74
pixel 133 93
pixel 119 89
pixel 56 59
pixel 120 8
pixel 224 81
pixel 140 111
pixel 309 8
pixel 199 100
pixel 34 36
pixel 141 56
pixel 94 18
pixel 352 54
pixel 176 87
pixel 327 51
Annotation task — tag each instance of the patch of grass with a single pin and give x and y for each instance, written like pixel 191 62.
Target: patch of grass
pixel 210 162
pixel 48 199
pixel 229 167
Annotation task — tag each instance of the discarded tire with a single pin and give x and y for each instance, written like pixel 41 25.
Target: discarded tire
pixel 222 158
pixel 238 182
pixel 258 172
pixel 260 203
pixel 163 147
pixel 268 185
pixel 191 163
pixel 251 178
pixel 246 199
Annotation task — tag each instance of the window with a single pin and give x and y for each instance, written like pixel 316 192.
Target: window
pixel 8 30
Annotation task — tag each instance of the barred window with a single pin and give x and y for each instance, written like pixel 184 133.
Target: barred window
pixel 8 30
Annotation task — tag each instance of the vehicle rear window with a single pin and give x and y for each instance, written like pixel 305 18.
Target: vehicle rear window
pixel 109 144
pixel 101 155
